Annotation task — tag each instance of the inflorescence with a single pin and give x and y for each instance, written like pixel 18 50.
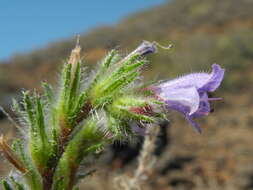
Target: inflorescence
pixel 65 125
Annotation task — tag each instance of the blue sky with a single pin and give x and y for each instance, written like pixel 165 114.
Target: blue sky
pixel 29 24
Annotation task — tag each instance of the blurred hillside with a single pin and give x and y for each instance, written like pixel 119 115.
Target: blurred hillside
pixel 203 32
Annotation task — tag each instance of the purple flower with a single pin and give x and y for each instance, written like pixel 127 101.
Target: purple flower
pixel 189 94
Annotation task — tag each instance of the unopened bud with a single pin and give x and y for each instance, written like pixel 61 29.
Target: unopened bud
pixel 144 48
pixel 74 58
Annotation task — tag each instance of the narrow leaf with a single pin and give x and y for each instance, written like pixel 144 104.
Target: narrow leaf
pixel 49 92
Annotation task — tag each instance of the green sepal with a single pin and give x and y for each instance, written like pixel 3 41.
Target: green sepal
pixel 105 94
pixel 107 86
pixel 126 114
pixel 131 59
pixel 120 83
pixel 109 59
pixel 96 148
pixel 121 108
pixel 117 127
pixel 126 68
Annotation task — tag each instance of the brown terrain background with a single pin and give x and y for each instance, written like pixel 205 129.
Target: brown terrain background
pixel 203 32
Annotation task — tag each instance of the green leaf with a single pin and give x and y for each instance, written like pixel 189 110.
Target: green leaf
pixel 65 88
pixel 109 85
pixel 87 137
pixel 124 69
pixel 75 87
pixel 18 147
pixel 103 95
pixel 120 83
pixel 121 108
pixel 38 140
pixel 131 59
pixel 40 120
pixel 116 127
pixel 109 59
pixel 29 109
pixel 71 99
pixel 49 93
pixel 32 177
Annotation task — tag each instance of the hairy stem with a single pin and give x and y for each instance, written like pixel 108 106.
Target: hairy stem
pixel 145 163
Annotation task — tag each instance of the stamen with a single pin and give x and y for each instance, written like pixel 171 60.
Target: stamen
pixel 204 113
pixel 214 99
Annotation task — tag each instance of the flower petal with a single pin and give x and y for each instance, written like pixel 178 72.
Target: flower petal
pixel 195 79
pixel 194 124
pixel 214 80
pixel 188 94
pixel 184 100
pixel 204 107
pixel 202 81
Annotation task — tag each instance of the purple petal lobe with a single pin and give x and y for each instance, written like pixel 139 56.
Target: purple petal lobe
pixel 214 80
pixel 204 107
pixel 196 80
pixel 182 99
pixel 194 124
pixel 202 81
